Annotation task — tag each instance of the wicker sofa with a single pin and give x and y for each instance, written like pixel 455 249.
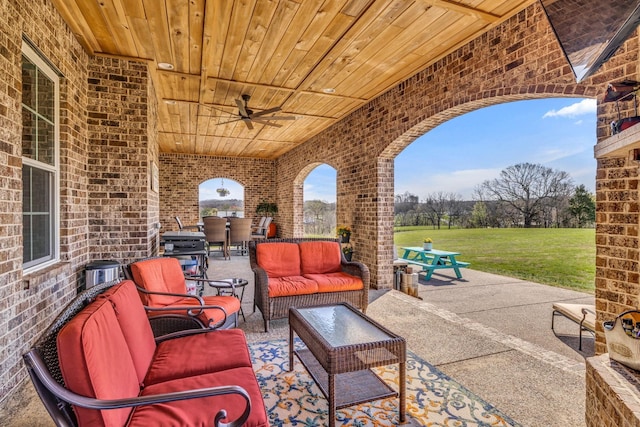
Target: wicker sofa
pixel 99 365
pixel 304 272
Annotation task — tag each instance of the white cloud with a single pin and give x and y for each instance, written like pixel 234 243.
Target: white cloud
pixel 555 154
pixel 462 182
pixel 586 106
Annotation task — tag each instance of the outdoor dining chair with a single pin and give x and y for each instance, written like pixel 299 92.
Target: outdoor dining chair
pixel 240 234
pixel 262 230
pixel 183 227
pixel 216 233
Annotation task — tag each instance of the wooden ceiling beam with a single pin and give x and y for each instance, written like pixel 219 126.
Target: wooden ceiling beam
pixel 467 10
pixel 234 108
pixel 259 85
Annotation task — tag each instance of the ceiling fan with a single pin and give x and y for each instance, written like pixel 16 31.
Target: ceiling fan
pixel 262 117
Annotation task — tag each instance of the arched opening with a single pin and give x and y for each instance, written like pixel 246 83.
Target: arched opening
pixel 441 178
pixel 221 197
pixel 319 202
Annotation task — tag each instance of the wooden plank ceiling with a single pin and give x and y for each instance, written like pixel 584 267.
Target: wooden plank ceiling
pixel 316 59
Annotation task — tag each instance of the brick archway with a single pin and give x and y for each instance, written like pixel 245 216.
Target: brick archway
pixel 518 60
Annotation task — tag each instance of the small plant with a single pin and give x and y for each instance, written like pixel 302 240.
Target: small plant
pixel 348 249
pixel 343 230
pixel 266 208
pixel 427 240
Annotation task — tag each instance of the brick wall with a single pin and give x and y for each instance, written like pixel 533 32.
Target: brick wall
pixel 122 206
pixel 107 141
pixel 182 174
pixel 29 303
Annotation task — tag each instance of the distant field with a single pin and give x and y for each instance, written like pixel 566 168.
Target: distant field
pixel 562 257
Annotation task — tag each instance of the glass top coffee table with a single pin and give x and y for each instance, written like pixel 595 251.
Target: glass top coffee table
pixel 342 345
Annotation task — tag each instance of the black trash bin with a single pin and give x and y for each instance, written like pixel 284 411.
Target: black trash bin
pixel 101 271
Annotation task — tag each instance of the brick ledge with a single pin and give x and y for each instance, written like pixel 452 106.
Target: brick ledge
pixel 613 393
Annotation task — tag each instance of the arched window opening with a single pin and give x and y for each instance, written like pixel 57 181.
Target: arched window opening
pixel 320 202
pixel 221 197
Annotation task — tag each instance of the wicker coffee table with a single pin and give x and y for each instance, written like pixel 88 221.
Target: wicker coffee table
pixel 341 345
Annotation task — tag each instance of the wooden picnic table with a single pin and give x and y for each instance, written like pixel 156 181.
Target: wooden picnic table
pixel 433 260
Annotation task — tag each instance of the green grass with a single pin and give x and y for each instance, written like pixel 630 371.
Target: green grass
pixel 563 257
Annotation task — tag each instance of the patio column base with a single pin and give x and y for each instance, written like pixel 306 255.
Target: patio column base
pixel 613 393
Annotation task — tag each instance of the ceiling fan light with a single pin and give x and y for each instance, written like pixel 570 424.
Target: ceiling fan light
pixel 165 66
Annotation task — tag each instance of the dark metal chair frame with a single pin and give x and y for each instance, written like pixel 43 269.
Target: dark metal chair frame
pixel 163 324
pixel 44 370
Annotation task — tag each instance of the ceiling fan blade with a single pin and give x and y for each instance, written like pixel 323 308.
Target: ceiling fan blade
pixel 243 111
pixel 216 108
pixel 229 121
pixel 248 123
pixel 267 111
pixel 266 122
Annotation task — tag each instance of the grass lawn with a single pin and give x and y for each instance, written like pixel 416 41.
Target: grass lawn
pixel 563 257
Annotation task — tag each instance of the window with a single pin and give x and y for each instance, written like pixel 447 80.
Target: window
pixel 40 173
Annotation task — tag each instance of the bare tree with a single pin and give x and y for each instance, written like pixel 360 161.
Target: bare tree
pixel 454 207
pixel 436 205
pixel 527 189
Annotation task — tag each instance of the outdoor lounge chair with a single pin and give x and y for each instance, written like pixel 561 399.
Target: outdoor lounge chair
pixel 583 314
pixel 163 290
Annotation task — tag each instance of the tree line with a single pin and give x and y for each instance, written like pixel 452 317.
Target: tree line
pixel 523 195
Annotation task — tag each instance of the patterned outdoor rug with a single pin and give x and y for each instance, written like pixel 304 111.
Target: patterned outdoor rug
pixel 433 399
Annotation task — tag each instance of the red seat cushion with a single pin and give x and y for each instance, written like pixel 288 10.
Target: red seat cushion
pixel 320 257
pixel 209 352
pixel 293 285
pixel 135 326
pixel 200 412
pixel 279 259
pixel 95 362
pixel 335 282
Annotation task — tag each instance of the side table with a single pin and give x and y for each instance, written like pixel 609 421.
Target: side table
pixel 230 287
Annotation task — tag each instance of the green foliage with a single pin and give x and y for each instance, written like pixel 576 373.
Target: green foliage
pixel 563 257
pixel 267 209
pixel 208 212
pixel 582 206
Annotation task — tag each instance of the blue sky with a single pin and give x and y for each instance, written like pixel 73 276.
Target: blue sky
pixel 458 155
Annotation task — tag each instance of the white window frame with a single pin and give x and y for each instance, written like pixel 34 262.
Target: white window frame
pixel 46 69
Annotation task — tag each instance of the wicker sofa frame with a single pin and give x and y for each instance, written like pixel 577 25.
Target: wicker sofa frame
pixel 278 308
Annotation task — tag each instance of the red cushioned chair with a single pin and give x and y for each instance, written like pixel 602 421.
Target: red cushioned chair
pixel 162 287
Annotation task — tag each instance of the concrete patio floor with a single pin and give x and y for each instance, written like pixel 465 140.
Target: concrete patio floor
pixel 490 333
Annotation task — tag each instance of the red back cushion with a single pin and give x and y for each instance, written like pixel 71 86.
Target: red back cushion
pixel 320 257
pixel 279 259
pixel 95 361
pixel 134 324
pixel 160 275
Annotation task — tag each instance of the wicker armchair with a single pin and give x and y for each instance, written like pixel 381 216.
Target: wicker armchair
pixel 278 307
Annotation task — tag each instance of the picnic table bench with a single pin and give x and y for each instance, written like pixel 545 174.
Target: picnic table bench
pixel 431 260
